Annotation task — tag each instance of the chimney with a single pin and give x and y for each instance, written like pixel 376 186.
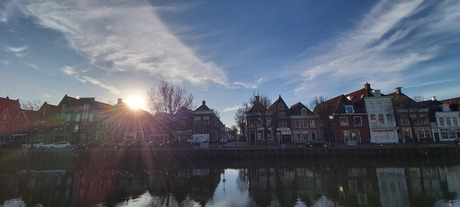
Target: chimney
pixel 203 103
pixel 257 98
pixel 433 98
pixel 398 90
pixel 367 89
pixel 120 101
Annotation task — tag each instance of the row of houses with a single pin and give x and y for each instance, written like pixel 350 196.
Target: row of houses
pixel 81 120
pixel 363 116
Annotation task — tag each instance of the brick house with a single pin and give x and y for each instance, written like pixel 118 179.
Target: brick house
pixel 205 121
pixel 14 122
pixel 280 127
pixel 305 124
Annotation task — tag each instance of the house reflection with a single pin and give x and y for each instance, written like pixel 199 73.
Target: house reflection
pixel 269 185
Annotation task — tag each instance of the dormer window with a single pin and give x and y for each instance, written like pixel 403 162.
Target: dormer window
pixel 280 106
pixel 304 111
pixel 349 109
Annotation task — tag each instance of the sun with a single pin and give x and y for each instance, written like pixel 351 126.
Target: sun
pixel 135 102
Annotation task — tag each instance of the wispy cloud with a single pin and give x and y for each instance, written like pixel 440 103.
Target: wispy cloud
pixel 247 85
pixel 125 37
pixel 68 70
pixel 17 51
pixel 232 108
pixel 388 42
pixel 31 65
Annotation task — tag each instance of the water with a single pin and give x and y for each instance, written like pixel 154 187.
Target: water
pixel 235 183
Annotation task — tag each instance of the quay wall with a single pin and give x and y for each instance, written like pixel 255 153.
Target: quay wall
pixel 152 158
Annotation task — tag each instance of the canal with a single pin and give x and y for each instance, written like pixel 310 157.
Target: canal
pixel 124 180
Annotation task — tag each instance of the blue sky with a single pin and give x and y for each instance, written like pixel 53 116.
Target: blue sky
pixel 226 51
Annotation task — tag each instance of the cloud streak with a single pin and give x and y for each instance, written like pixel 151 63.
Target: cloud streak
pixel 385 45
pixel 125 37
pixel 86 79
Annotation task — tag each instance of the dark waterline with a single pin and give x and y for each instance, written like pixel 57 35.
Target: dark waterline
pixel 124 179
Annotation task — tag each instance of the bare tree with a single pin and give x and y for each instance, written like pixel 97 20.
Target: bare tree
pixel 33 105
pixel 322 109
pixel 259 115
pixel 315 101
pixel 168 98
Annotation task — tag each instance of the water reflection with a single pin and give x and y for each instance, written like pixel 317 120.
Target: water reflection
pixel 280 183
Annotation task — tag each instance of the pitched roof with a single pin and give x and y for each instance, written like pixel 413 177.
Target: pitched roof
pixel 203 107
pixel 296 109
pixel 275 104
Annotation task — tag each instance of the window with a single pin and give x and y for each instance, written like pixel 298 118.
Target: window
pixel 280 105
pixel 349 109
pixel 373 119
pixel 389 119
pixel 260 135
pixel 312 124
pixel 313 134
pixel 281 114
pixel 404 121
pixel 305 135
pixel 444 134
pixel 77 118
pixel 454 121
pixel 381 120
pixel 357 121
pixel 407 133
pixel 424 132
pixel 282 124
pixel 304 111
pixel 305 123
pixel 297 124
pixel 448 121
pixel 441 121
pixel 197 120
pixel 343 121
pixel 423 119
pixel 206 120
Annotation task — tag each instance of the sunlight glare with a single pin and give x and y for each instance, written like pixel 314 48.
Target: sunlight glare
pixel 135 102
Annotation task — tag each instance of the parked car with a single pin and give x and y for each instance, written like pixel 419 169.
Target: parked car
pixel 59 145
pixel 317 143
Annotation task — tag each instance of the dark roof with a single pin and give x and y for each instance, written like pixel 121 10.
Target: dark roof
pixel 296 109
pixel 275 104
pixel 451 101
pixel 203 107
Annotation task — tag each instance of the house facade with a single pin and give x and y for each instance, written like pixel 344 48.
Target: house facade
pixel 205 121
pixel 380 115
pixel 448 127
pixel 14 122
pixel 305 124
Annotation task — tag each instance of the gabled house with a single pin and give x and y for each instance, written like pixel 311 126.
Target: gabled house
pixel 448 123
pixel 380 115
pixel 347 120
pixel 79 119
pixel 305 124
pixel 205 121
pixel 414 119
pixel 184 118
pixel 14 123
pixel 125 123
pixel 258 122
pixel 280 121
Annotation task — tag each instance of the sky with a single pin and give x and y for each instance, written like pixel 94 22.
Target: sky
pixel 224 52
